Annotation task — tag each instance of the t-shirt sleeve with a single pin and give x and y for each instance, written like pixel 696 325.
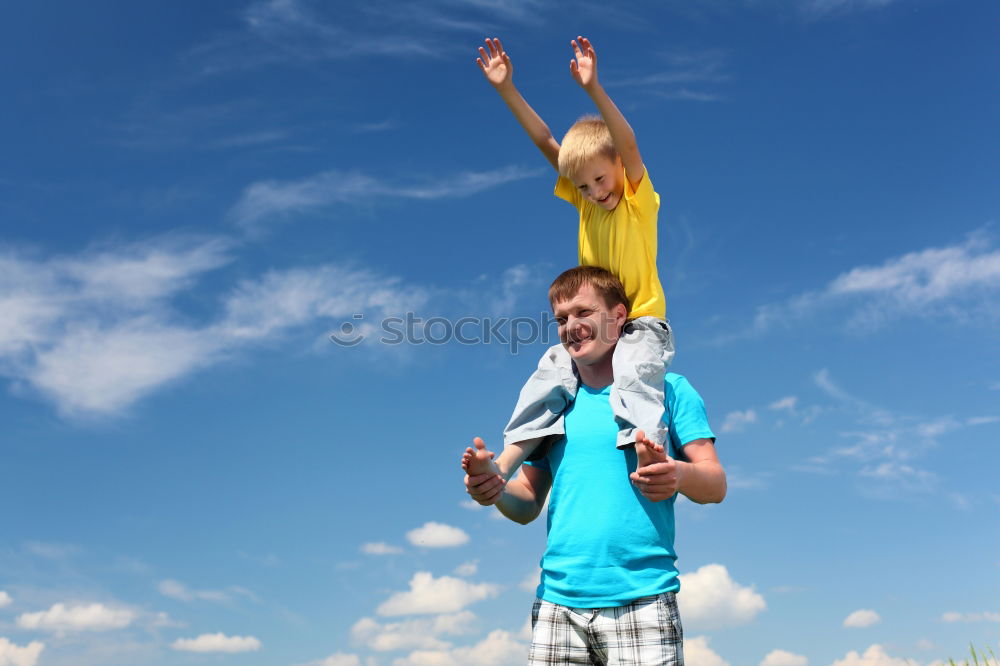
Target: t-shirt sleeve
pixel 643 197
pixel 566 190
pixel 686 409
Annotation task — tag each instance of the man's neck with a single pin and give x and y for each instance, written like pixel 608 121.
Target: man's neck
pixel 598 375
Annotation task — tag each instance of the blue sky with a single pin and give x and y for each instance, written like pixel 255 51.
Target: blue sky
pixel 194 196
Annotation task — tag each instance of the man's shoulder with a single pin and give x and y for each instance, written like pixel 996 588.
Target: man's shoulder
pixel 678 391
pixel 675 381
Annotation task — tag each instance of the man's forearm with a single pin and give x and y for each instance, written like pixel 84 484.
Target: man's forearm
pixel 703 482
pixel 517 509
pixel 520 500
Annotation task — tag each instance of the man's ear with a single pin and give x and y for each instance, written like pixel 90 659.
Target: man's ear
pixel 621 312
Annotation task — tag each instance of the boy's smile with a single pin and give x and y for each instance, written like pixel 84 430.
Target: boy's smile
pixel 601 180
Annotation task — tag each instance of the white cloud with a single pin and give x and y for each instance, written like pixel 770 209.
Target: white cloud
pixel 437 535
pixel 91 617
pixel 530 582
pixel 428 595
pixel 875 655
pixel 14 655
pixel 710 598
pixel 698 653
pixel 281 31
pixel 681 71
pixel 380 548
pixel 272 199
pixel 217 643
pixel 415 634
pixel 5 599
pixel 862 618
pixel 784 658
pixel 337 659
pixel 96 332
pixel 958 282
pixel 787 403
pixel 91 331
pixel 817 9
pixel 736 421
pixel 471 505
pixel 467 568
pixel 986 616
pixel 177 590
pixel 499 648
pixel 104 369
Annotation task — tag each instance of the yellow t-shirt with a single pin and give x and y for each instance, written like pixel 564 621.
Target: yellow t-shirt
pixel 623 241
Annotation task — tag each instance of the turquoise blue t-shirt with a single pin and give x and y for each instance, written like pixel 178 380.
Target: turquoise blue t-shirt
pixel 607 544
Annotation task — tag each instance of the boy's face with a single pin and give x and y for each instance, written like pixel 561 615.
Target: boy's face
pixel 588 328
pixel 602 181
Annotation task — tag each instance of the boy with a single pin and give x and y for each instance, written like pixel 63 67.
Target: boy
pixel 601 173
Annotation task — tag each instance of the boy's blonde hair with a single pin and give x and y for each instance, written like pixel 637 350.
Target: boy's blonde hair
pixel 586 139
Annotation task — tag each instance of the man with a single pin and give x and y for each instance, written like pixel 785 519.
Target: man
pixel 608 583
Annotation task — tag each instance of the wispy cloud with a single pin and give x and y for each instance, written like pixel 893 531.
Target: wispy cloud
pixel 883 445
pixel 818 9
pixel 181 592
pixel 300 31
pixel 957 281
pixel 96 332
pixel 217 643
pixel 685 76
pixel 738 420
pixel 380 548
pixel 985 616
pixel 271 200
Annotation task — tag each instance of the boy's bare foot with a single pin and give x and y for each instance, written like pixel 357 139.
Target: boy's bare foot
pixel 478 460
pixel 647 451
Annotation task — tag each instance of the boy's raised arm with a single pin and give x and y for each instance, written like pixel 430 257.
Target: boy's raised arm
pixel 499 71
pixel 583 68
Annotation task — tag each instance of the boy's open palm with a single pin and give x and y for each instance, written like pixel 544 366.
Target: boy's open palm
pixel 496 64
pixel 584 67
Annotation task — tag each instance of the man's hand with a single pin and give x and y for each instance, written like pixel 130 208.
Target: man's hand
pixel 496 64
pixel 584 67
pixel 658 481
pixel 485 489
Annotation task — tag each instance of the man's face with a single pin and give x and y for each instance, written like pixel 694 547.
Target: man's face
pixel 601 180
pixel 588 328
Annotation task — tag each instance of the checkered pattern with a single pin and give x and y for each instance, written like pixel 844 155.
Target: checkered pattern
pixel 647 632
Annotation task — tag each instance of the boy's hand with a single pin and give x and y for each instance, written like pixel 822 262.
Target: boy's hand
pixel 496 65
pixel 584 67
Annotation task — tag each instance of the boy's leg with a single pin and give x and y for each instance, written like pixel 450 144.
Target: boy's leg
pixel 640 363
pixel 538 415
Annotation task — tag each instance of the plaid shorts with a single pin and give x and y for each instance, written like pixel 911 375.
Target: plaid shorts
pixel 647 632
